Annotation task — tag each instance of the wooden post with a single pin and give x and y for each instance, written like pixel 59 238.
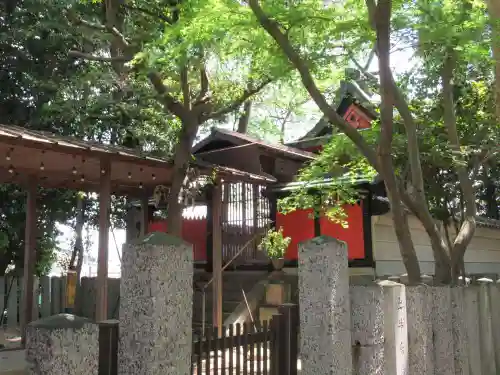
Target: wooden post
pixel 144 215
pixel 29 256
pixel 102 259
pixel 217 256
pixel 288 339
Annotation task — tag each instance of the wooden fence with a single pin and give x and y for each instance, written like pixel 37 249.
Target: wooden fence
pixel 270 348
pixel 50 298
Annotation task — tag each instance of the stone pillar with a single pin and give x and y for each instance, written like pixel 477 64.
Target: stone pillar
pixel 495 319
pixel 442 328
pixel 420 344
pixel 325 313
pixel 395 328
pixel 156 300
pixel 367 328
pixel 488 364
pixel 472 326
pixel 62 344
pixel 460 341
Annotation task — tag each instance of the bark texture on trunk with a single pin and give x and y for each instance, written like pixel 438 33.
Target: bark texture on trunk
pixel 244 119
pixel 182 158
pixel 399 216
pixel 468 227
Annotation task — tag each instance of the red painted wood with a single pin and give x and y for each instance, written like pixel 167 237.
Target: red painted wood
pixel 353 235
pixel 299 226
pixel 357 118
pixel 194 231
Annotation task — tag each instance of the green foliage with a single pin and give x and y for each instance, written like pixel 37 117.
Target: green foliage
pixel 275 244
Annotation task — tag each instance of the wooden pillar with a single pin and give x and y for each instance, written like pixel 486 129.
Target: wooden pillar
pixel 102 259
pixel 217 255
pixel 144 215
pixel 29 257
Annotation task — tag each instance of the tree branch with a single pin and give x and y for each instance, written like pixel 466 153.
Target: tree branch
pixel 204 85
pixel 468 226
pixel 281 39
pixel 172 104
pixel 89 57
pixel 247 94
pixel 186 89
pixel 161 17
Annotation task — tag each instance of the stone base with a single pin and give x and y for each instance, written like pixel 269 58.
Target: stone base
pixel 62 344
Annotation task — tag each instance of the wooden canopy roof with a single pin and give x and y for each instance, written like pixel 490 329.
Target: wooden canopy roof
pixel 66 162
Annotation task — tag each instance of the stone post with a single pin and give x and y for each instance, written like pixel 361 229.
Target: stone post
pixel 472 326
pixel 442 328
pixel 379 328
pixel 367 329
pixel 62 344
pixel 460 341
pixel 420 344
pixel 395 328
pixel 495 319
pixel 156 301
pixel 325 313
pixel 488 364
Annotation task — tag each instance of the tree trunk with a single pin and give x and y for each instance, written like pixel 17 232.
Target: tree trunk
pixel 468 227
pixel 386 164
pixel 245 117
pixel 182 158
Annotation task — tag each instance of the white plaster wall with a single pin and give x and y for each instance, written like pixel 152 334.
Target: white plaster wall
pixel 482 256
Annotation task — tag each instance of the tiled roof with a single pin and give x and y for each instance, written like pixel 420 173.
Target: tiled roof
pixel 218 133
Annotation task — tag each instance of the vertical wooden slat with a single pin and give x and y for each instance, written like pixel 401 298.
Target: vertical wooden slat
pixel 2 298
pixel 20 298
pixel 231 346
pixel 223 350
pixel 258 351
pixel 36 299
pixel 239 343
pixel 265 347
pixel 46 297
pixel 251 355
pixel 245 348
pixel 29 255
pixel 217 256
pixel 209 348
pixel 102 258
pixel 200 355
pixel 55 291
pixel 12 302
pixel 63 293
pixel 217 370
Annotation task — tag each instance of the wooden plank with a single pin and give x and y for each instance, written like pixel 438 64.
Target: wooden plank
pixel 12 303
pixel 55 295
pixel 63 293
pixel 46 296
pixel 29 255
pixel 2 298
pixel 36 294
pixel 217 256
pixel 102 259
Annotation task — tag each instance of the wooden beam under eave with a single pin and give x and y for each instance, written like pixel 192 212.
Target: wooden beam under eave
pixel 29 257
pixel 217 255
pixel 102 259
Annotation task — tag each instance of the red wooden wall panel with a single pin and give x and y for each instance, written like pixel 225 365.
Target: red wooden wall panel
pixel 193 231
pixel 353 235
pixel 299 226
